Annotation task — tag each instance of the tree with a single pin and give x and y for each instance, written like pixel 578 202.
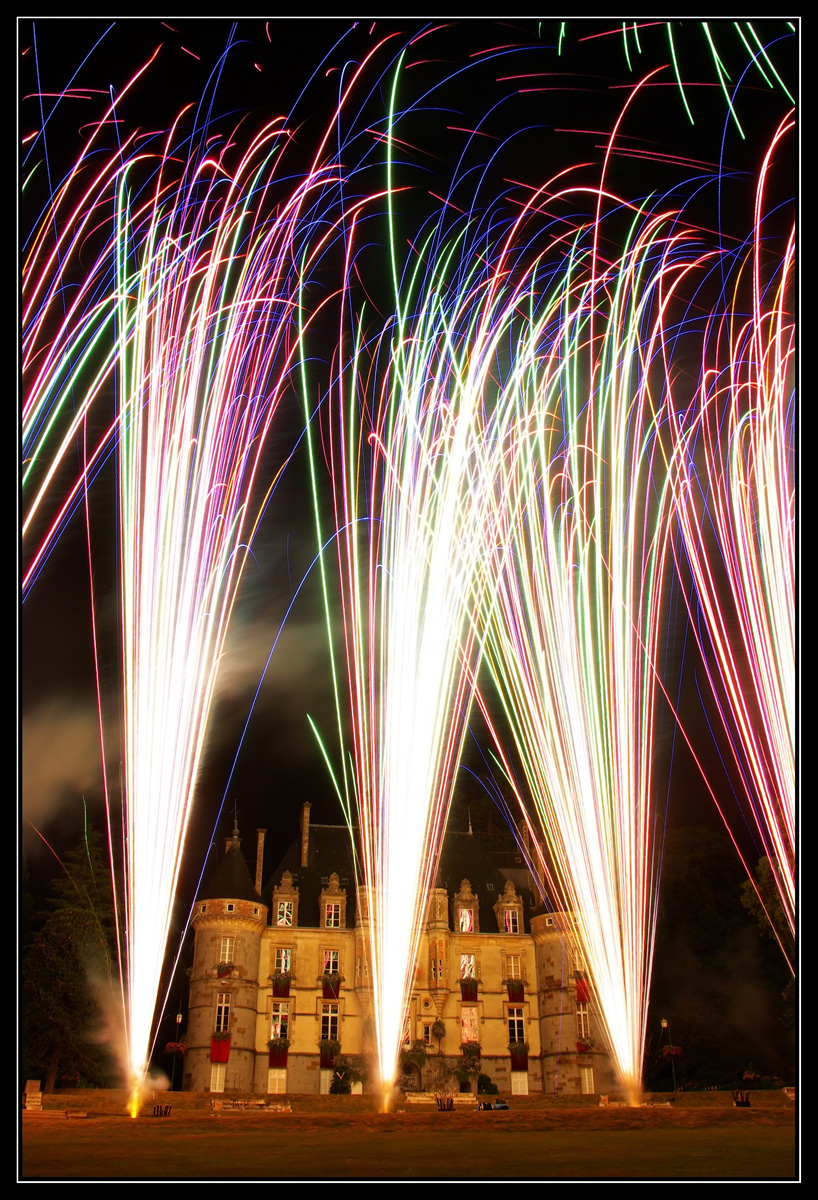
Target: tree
pixel 69 978
pixel 714 978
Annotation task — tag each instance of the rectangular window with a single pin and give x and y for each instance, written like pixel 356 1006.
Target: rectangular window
pixel 512 921
pixel 325 1081
pixel 330 962
pixel 427 1034
pixel 285 912
pixel 329 1022
pixel 583 1024
pixel 513 970
pixel 519 1083
pixel 586 1078
pixel 218 1074
pixel 468 1025
pixel 276 1081
pixel 466 920
pixel 222 1012
pixel 283 958
pixel 280 1019
pixel 467 966
pixel 516 1025
pixel 332 916
pixel 227 950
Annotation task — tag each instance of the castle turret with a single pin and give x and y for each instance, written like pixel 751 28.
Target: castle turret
pixel 228 922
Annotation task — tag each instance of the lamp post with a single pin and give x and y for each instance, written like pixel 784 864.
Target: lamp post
pixel 670 1044
pixel 178 1024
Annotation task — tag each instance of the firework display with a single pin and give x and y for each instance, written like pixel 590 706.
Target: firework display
pixel 509 467
pixel 735 500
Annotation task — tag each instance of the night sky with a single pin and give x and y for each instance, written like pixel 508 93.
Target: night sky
pixel 540 111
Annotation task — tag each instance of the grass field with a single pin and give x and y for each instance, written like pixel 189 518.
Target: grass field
pixel 336 1139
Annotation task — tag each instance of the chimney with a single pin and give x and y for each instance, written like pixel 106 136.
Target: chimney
pixel 305 832
pixel 259 857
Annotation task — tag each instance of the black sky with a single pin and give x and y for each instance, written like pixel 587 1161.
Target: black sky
pixel 539 111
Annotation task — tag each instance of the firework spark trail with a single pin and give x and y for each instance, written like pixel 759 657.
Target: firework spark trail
pixel 734 486
pixel 68 310
pixel 414 516
pixel 572 639
pixel 206 349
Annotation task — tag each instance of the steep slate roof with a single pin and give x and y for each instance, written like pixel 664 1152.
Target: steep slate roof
pixel 231 880
pixel 329 849
pixel 464 857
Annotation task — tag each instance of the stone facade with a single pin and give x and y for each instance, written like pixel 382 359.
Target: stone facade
pixel 280 989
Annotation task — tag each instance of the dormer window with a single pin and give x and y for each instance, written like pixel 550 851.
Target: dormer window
pixel 509 910
pixel 333 904
pixel 285 902
pixel 466 910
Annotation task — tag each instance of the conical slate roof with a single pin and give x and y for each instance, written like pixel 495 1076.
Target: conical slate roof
pixel 231 879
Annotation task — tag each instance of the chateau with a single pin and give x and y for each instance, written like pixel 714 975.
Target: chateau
pixel 280 995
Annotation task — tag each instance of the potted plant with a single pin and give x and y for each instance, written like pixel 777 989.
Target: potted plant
pixel 439 1032
pixel 349 1069
pixel 469 1067
pixel 519 1056
pixel 331 984
pixel 176 1049
pixel 414 1056
pixel 584 1044
pixel 281 981
pixel 220 1047
pixel 515 988
pixel 328 1050
pixel 468 990
pixel 278 1048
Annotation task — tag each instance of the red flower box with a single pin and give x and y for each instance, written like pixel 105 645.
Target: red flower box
pixel 332 988
pixel 281 987
pixel 468 990
pixel 219 1049
pixel 519 1059
pixel 278 1058
pixel 516 989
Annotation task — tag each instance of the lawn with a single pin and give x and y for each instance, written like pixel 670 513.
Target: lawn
pixel 589 1143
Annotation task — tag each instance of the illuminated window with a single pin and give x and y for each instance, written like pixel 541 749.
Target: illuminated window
pixel 218 1073
pixel 467 920
pixel 468 1025
pixel 222 1012
pixel 332 916
pixel 330 962
pixel 228 947
pixel 516 1025
pixel 467 966
pixel 280 1019
pixel 329 1022
pixel 583 1024
pixel 427 1033
pixel 512 921
pixel 513 970
pixel 283 958
pixel 586 1077
pixel 285 912
pixel 276 1081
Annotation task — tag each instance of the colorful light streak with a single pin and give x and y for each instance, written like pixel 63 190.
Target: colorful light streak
pixel 734 486
pixel 573 637
pixel 506 409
